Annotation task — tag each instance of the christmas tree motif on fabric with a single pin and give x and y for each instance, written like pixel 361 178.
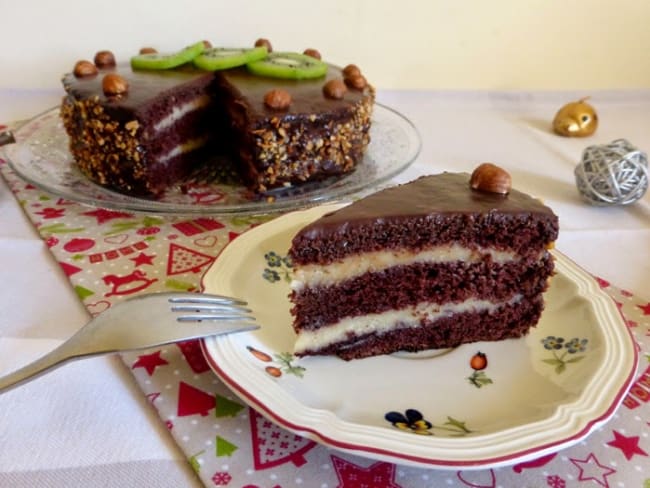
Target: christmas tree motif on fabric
pixel 193 401
pixel 185 260
pixel 274 446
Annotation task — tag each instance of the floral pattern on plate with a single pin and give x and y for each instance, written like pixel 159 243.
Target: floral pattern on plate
pixel 284 362
pixel 567 348
pixel 413 421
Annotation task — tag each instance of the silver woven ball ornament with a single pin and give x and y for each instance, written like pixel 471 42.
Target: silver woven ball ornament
pixel 612 174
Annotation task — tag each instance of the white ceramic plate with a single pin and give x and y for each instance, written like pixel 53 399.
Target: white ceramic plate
pixel 41 156
pixel 537 394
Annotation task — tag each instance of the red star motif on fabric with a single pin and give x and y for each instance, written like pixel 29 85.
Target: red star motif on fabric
pixel 591 469
pixel 645 308
pixel 51 213
pixel 352 476
pixel 104 215
pixel 628 445
pixel 143 258
pixel 150 362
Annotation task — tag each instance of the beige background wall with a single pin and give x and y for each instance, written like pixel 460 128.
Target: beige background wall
pixel 449 44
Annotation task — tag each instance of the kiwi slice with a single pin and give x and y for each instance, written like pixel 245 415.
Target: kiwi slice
pixel 218 58
pixel 288 65
pixel 167 61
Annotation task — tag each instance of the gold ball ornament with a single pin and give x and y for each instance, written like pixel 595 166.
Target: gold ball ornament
pixel 576 119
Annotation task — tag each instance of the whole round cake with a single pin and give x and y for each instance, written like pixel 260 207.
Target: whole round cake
pixel 282 118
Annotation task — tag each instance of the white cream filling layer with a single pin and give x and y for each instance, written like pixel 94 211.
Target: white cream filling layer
pixel 190 145
pixel 383 322
pixel 353 266
pixel 181 111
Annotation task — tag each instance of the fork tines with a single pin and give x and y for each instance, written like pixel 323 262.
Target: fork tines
pixel 210 308
pixel 199 307
pixel 196 317
pixel 201 298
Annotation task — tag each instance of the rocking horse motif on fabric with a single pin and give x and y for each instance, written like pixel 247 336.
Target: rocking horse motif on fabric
pixel 127 284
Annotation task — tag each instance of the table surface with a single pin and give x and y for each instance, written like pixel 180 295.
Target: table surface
pixel 86 424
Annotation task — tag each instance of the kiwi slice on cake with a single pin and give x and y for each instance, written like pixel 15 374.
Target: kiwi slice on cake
pixel 167 61
pixel 288 65
pixel 218 58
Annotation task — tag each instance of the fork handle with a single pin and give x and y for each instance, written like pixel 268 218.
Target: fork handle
pixel 55 358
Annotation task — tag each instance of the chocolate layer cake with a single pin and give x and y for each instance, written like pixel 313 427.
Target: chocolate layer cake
pixel 153 134
pixel 429 264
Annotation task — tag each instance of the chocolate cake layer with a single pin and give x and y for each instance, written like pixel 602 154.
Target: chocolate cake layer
pixel 401 286
pixel 119 141
pixel 508 322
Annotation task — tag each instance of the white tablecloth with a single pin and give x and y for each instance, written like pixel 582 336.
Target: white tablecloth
pixel 87 424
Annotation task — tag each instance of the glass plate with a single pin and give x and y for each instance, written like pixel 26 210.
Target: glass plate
pixel 41 157
pixel 523 399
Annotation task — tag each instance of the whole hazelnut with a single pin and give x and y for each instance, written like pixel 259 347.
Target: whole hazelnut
pixel 351 70
pixel 356 82
pixel 84 68
pixel 312 53
pixel 114 85
pixel 264 42
pixel 104 59
pixel 277 99
pixel 207 44
pixel 491 178
pixel 148 50
pixel 334 88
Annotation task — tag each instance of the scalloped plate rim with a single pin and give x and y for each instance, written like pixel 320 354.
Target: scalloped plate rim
pixel 320 430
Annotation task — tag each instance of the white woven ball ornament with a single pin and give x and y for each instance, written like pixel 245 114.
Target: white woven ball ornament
pixel 612 174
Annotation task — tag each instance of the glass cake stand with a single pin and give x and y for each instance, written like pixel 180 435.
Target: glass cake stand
pixel 41 156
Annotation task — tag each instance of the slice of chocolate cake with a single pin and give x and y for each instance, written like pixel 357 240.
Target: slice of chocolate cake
pixel 314 137
pixel 149 137
pixel 147 129
pixel 430 264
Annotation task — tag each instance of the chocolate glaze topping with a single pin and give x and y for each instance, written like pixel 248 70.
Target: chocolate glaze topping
pixel 444 194
pixel 146 85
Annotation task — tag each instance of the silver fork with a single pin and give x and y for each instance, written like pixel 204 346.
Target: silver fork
pixel 140 323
